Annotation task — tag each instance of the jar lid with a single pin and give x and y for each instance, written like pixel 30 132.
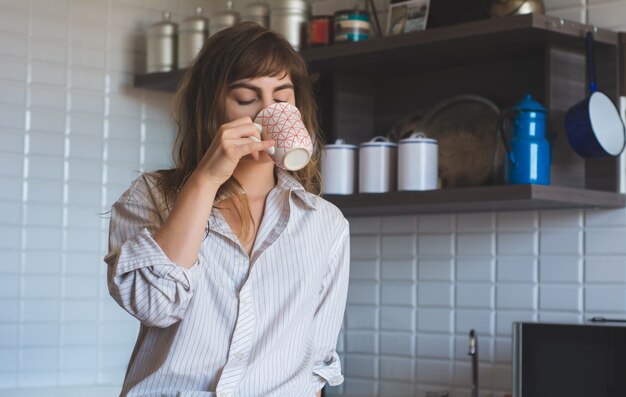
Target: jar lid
pixel 378 141
pixel 195 23
pixel 528 103
pixel 226 17
pixel 165 27
pixel 340 144
pixel 418 137
pixel 316 17
pixel 258 9
pixel 299 5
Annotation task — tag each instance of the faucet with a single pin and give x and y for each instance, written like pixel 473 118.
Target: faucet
pixel 473 351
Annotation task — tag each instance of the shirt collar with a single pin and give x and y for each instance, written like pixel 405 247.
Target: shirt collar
pixel 286 181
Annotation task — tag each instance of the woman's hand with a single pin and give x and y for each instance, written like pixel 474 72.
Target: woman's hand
pixel 231 143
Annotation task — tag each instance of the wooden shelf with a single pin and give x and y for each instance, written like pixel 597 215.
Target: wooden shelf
pixel 475 199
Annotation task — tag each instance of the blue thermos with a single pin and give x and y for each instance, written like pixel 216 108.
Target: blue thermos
pixel 528 150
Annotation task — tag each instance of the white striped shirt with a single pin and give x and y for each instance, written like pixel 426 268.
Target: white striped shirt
pixel 232 325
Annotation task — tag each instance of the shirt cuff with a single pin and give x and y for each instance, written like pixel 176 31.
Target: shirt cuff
pixel 329 371
pixel 143 251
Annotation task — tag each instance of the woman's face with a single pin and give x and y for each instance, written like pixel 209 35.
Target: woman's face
pixel 249 96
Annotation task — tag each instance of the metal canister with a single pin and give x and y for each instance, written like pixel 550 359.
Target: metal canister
pixel 258 12
pixel 161 45
pixel 289 17
pixel 351 25
pixel 192 33
pixel 223 20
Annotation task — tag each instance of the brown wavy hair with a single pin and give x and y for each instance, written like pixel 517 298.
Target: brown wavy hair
pixel 244 51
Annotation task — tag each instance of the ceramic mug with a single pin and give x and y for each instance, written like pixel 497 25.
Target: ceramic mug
pixel 283 123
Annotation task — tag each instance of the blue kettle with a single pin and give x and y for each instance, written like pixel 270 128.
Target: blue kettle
pixel 528 150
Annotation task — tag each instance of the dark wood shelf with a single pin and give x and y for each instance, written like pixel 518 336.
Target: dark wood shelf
pixel 160 81
pixel 475 199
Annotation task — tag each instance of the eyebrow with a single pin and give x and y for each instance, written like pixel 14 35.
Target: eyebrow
pixel 257 89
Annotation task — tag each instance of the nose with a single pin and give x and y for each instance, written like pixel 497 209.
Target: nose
pixel 267 101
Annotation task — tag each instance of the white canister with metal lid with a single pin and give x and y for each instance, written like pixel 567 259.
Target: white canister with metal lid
pixel 339 168
pixel 377 165
pixel 192 33
pixel 161 45
pixel 289 18
pixel 223 20
pixel 417 163
pixel 258 12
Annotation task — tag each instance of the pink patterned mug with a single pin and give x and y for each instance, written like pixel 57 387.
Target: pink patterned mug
pixel 283 123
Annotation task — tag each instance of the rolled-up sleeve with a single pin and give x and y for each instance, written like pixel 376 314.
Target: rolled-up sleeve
pixel 329 315
pixel 140 277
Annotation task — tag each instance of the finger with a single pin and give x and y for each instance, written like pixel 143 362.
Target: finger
pixel 238 122
pixel 241 131
pixel 251 147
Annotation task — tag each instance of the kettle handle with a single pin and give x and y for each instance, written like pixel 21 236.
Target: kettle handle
pixel 504 125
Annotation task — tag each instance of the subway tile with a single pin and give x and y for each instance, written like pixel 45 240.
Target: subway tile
pixel 363 366
pixel 9 336
pixel 12 188
pixel 125 106
pixel 46 144
pixel 48 26
pixel 81 170
pixel 84 101
pixel 80 287
pixel 503 353
pixel 87 57
pixel 397 318
pixel 554 4
pixel 57 8
pixel 39 335
pixel 361 317
pixel 434 372
pixel 157 156
pixel 13 69
pixel 162 132
pixel 505 320
pixel 435 244
pixel 45 286
pixel 45 191
pixel 128 17
pixel 115 334
pixel 365 342
pixel 90 126
pixel 568 242
pixel 9 286
pixel 13 44
pixel 480 320
pixel 605 270
pixel 48 73
pixel 10 309
pixel 79 334
pixel 560 269
pixel 44 49
pixel 39 358
pixel 397 369
pixel 123 82
pixel 475 222
pixel 397 344
pixel 44 215
pixel 12 117
pixel 399 224
pixel 79 357
pixel 435 270
pixel 10 237
pixel 89 11
pixel 475 295
pixel 475 244
pixel 605 217
pixel 363 247
pixel 561 219
pixel 42 378
pixel 158 109
pixel 87 79
pixel 83 263
pixel 364 270
pixel 435 295
pixel 12 141
pixel 79 311
pixel 516 296
pixel 8 379
pixel 560 317
pixel 434 346
pixel 398 246
pixel 126 41
pixel 517 269
pixel 46 167
pixel 360 387
pixel 85 147
pixel 43 262
pixel 517 243
pixel 13 93
pixel 363 293
pixel 10 261
pixel 38 310
pixel 397 293
pixel 475 269
pixel 560 298
pixel 439 223
pixel 12 165
pixel 605 241
pixel 485 347
pixel 608 15
pixel 126 61
pixel 46 238
pixel 398 270
pixel 517 221
pixel 13 21
pixel 434 320
pixel 47 120
pixel 395 388
pixel 605 298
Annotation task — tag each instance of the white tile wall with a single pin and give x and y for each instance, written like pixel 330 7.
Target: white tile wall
pixel 418 284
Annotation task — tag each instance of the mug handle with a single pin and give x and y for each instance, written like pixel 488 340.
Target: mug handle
pixel 259 128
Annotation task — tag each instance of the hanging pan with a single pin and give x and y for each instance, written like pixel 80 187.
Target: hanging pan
pixel 594 127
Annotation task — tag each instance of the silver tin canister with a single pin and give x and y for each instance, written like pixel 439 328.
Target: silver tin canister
pixel 192 33
pixel 161 45
pixel 258 12
pixel 223 20
pixel 289 18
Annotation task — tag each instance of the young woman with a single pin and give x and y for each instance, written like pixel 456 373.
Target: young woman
pixel 236 268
